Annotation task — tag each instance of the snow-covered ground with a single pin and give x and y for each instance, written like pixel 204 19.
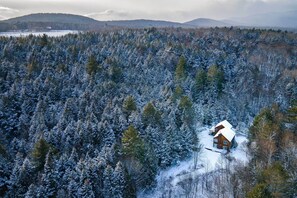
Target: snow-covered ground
pixel 208 161
pixel 52 33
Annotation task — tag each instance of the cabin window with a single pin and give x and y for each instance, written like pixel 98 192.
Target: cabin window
pixel 225 142
pixel 215 140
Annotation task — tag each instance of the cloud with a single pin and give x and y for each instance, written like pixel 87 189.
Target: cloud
pixel 109 15
pixel 174 10
pixel 8 10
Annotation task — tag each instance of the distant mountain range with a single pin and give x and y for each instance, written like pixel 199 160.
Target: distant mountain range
pixel 143 23
pixel 272 19
pixel 204 22
pixel 56 21
pixel 266 20
pixel 50 21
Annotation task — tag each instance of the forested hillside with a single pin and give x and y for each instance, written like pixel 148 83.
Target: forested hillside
pixel 59 21
pixel 46 22
pixel 99 114
pixel 272 170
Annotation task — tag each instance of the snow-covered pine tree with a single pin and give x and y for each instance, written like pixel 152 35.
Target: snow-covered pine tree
pixel 49 178
pixel 108 189
pixel 118 181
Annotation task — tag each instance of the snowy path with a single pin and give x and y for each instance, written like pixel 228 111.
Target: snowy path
pixel 208 161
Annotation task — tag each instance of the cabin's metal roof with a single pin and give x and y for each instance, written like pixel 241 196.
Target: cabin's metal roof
pixel 228 133
pixel 225 123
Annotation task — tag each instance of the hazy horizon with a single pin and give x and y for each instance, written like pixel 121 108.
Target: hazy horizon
pixel 170 10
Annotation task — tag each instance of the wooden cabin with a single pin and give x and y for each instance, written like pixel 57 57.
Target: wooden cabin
pixel 224 139
pixel 224 124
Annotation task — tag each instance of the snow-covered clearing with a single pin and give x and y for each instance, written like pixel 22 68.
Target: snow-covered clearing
pixel 52 33
pixel 209 159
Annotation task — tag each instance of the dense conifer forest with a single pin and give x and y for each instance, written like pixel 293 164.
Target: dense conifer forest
pixel 100 114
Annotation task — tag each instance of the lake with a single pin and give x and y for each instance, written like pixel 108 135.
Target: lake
pixel 53 33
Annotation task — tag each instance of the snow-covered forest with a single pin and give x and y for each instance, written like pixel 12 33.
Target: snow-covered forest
pixel 101 114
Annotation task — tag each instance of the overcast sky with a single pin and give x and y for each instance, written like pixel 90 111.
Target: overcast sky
pixel 174 10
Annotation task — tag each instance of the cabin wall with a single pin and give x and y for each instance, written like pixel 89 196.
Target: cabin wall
pixel 221 142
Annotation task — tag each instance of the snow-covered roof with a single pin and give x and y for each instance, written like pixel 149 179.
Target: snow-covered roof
pixel 225 123
pixel 227 133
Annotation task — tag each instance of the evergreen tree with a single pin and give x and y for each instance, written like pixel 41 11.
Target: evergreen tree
pixel 154 138
pixel 139 158
pixel 136 119
pixel 107 182
pixel 188 140
pixel 180 71
pixel 215 77
pixel 49 177
pixel 92 66
pixel 10 111
pixel 21 176
pixel 164 153
pixel 38 120
pixel 118 181
pixel 86 190
pixel 129 105
pixel 150 115
pixel 174 143
pixel 133 145
pixel 116 74
pixel 25 176
pixel 107 133
pixel 185 103
pixel 69 113
pixel 40 150
pixel 14 179
pixel 259 191
pixel 72 188
pixel 187 112
pixel 44 40
pixel 31 191
pixel 178 92
pixel 120 121
pixel 200 83
pixel 200 80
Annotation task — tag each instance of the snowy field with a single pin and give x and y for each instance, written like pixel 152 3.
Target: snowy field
pixel 53 33
pixel 208 161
